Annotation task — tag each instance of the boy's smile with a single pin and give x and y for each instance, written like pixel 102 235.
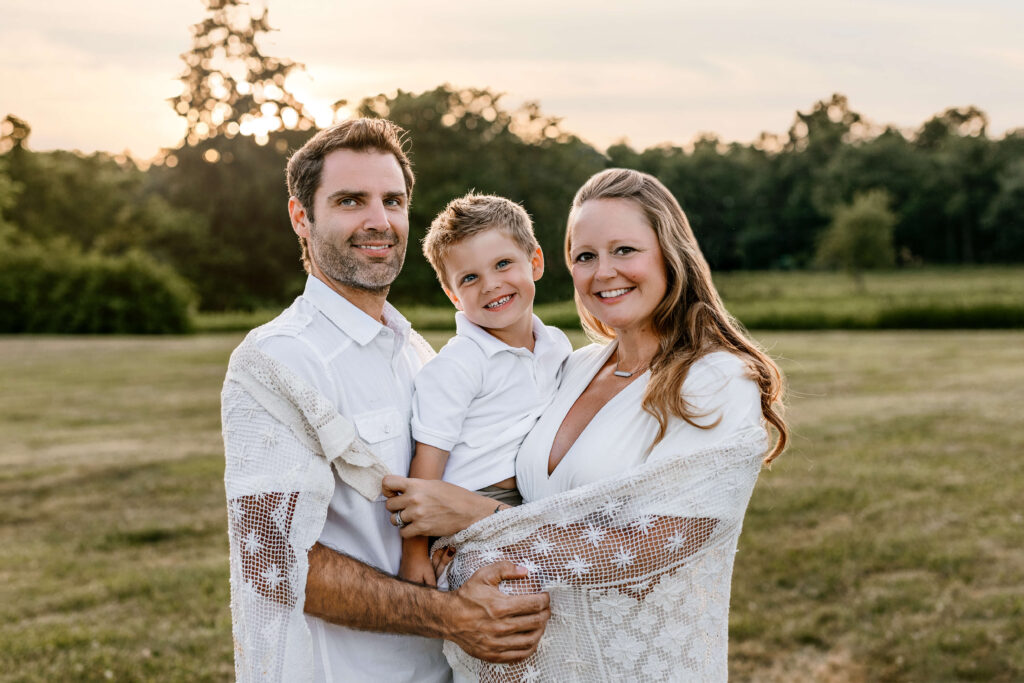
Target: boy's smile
pixel 491 280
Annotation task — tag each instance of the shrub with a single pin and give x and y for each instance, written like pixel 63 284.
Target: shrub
pixel 57 289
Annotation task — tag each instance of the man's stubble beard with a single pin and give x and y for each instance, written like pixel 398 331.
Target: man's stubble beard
pixel 373 277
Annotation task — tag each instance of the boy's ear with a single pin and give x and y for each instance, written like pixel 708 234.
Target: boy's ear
pixel 300 221
pixel 537 262
pixel 452 297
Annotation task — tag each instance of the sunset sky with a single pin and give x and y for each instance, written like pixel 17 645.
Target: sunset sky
pixel 97 75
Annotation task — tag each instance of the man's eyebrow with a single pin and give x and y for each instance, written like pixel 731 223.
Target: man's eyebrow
pixel 339 194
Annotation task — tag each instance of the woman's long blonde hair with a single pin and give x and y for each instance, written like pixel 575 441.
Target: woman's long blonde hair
pixel 691 320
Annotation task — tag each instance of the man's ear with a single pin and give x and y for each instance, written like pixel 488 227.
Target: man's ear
pixel 452 297
pixel 300 221
pixel 537 263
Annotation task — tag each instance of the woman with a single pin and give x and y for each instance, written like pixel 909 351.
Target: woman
pixel 638 475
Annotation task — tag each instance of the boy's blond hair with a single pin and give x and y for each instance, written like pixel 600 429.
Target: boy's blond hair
pixel 471 214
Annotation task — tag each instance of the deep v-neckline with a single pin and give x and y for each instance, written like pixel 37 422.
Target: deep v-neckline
pixel 550 471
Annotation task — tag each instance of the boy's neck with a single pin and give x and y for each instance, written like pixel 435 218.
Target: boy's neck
pixel 519 336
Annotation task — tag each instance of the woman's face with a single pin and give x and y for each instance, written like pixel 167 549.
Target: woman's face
pixel 617 266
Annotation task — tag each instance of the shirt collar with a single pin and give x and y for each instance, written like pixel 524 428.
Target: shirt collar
pixel 348 318
pixel 491 344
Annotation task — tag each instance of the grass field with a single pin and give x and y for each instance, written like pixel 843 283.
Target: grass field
pixel 886 545
pixel 990 297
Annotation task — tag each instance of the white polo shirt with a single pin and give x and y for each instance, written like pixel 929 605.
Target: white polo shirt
pixel 367 370
pixel 479 397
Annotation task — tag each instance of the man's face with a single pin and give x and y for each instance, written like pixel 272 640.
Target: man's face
pixel 362 220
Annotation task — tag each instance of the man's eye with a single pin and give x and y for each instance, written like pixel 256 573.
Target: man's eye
pixel 392 202
pixel 347 201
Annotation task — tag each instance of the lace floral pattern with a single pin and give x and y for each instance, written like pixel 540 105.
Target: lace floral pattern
pixel 281 440
pixel 638 569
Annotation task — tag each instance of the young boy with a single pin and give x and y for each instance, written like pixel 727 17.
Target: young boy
pixel 477 399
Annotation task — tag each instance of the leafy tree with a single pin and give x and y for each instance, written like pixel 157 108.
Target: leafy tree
pixel 1003 221
pixel 464 139
pixel 229 86
pixel 860 236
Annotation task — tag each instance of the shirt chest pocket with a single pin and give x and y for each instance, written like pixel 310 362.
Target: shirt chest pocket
pixel 386 432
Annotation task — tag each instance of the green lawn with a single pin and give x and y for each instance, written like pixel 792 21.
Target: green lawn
pixel 885 545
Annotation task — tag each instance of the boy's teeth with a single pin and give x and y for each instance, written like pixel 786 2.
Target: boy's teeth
pixel 499 302
pixel 613 292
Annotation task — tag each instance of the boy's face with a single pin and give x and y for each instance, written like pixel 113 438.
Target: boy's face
pixel 490 279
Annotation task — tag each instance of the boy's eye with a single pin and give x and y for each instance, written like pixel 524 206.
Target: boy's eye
pixel 504 263
pixel 466 279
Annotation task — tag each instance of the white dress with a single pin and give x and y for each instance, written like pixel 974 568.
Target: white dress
pixel 617 437
pixel 634 545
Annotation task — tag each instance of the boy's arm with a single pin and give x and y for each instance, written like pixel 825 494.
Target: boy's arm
pixel 428 462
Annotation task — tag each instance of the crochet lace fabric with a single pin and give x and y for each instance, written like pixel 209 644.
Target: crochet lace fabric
pixel 638 568
pixel 281 438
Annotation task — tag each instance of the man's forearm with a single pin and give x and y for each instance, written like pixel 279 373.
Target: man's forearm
pixel 344 591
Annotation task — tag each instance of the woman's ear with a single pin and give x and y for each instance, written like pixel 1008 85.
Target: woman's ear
pixel 537 263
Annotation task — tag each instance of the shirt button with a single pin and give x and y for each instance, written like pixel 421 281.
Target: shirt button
pixel 387 429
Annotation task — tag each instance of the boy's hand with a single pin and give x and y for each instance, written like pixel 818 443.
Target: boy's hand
pixel 417 567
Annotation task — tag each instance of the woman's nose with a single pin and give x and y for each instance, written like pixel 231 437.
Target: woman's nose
pixel 605 268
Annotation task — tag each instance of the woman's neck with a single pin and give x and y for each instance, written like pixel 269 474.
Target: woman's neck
pixel 636 349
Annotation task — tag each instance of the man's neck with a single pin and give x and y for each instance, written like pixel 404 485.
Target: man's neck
pixel 370 303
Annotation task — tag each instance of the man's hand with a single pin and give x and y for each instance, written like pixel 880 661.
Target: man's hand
pixel 433 508
pixel 492 626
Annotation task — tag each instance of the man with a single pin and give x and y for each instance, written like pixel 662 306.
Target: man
pixel 309 531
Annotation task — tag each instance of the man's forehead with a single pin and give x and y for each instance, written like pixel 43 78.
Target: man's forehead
pixel 367 171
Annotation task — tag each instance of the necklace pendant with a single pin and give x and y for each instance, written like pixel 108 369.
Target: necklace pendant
pixel 622 373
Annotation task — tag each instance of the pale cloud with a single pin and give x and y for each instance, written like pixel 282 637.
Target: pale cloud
pixel 96 75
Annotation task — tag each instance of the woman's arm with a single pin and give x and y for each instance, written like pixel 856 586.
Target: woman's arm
pixel 433 507
pixel 588 553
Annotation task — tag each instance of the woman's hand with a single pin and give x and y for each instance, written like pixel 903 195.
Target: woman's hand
pixel 433 508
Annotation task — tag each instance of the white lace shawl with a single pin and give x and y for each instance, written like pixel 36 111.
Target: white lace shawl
pixel 281 438
pixel 638 567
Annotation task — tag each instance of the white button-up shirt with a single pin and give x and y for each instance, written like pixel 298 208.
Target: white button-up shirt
pixel 367 370
pixel 479 398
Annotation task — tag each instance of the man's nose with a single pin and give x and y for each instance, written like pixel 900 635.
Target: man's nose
pixel 377 218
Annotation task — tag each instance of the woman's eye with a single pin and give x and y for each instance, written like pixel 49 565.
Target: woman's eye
pixel 583 256
pixel 625 250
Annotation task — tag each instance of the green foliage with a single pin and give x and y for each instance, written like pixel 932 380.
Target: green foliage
pixel 463 140
pixel 55 288
pixel 860 235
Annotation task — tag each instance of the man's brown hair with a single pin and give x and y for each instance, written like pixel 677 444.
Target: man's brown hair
pixel 305 167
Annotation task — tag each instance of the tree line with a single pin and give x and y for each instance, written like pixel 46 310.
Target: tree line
pixel 215 210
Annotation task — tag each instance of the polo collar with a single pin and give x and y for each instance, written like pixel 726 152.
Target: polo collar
pixel 491 345
pixel 348 318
